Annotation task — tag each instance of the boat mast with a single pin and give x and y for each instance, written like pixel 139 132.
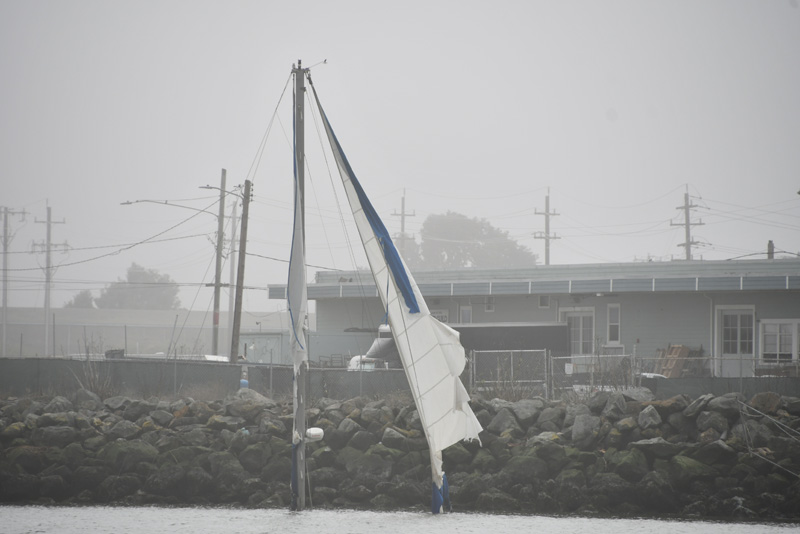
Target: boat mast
pixel 299 350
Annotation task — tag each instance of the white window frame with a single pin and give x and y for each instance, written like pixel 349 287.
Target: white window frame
pixel 461 310
pixel 794 343
pixel 719 337
pixel 564 313
pixel 721 312
pixel 609 324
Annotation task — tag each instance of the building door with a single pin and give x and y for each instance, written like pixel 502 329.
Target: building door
pixel 737 342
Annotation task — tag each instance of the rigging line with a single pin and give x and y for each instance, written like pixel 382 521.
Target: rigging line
pixel 789 431
pixel 311 177
pixel 260 150
pixel 749 442
pixel 341 218
pixel 191 307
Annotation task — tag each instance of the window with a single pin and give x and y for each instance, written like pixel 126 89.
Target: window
pixel 613 324
pixel 489 304
pixel 544 301
pixel 779 341
pixel 465 314
pixel 737 332
pixel 580 323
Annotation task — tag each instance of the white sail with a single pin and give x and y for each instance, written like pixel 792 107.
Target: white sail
pixel 432 355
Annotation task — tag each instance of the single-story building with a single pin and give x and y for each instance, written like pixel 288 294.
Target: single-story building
pixel 742 315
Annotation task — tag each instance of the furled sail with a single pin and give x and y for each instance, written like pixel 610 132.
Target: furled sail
pixel 297 303
pixel 432 355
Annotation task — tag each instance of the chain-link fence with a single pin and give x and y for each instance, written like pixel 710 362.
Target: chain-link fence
pixel 509 374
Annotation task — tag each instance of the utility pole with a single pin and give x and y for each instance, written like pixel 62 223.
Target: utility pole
pixel 687 224
pixel 546 235
pixel 232 263
pixel 403 216
pixel 48 272
pixel 6 242
pixel 237 311
pixel 218 266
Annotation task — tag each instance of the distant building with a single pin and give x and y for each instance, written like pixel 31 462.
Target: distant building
pixel 743 314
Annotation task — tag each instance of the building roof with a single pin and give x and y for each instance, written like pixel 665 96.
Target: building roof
pixel 699 275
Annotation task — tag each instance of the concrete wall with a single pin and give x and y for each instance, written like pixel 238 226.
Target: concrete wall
pixel 173 379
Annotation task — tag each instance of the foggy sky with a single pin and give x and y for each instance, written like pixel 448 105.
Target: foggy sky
pixel 473 107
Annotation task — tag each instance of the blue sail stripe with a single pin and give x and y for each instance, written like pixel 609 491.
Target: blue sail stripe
pixel 390 253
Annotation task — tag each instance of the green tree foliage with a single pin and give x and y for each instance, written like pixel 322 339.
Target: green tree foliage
pixel 83 299
pixel 454 241
pixel 144 289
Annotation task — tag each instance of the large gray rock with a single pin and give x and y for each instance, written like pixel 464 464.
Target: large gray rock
pixel 87 400
pixel 116 403
pixel 527 411
pixel 658 447
pixel 574 410
pixel 615 407
pixel 137 409
pixel 585 426
pixel 505 422
pixel 524 469
pixel 248 404
pixel 393 439
pixel 58 404
pixel 714 420
pixel 766 402
pixel 728 405
pixel 551 418
pixel 649 418
pixel 122 456
pixel 123 430
pixel 631 465
pixel 54 436
pixel 752 432
pixel 228 422
pixel 697 405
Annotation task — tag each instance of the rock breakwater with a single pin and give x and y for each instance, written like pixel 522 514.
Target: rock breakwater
pixel 612 454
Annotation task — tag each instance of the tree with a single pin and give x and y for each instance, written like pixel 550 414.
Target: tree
pixel 454 241
pixel 144 289
pixel 83 299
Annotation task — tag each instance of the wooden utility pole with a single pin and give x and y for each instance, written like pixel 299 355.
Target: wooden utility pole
pixel 687 224
pixel 48 275
pixel 232 261
pixel 6 242
pixel 218 266
pixel 403 216
pixel 237 309
pixel 546 235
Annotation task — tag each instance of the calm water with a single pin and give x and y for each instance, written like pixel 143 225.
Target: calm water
pixel 98 519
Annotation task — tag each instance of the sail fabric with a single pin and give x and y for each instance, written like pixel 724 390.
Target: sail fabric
pixel 431 352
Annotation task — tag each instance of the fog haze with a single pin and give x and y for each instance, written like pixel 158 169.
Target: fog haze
pixel 618 107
